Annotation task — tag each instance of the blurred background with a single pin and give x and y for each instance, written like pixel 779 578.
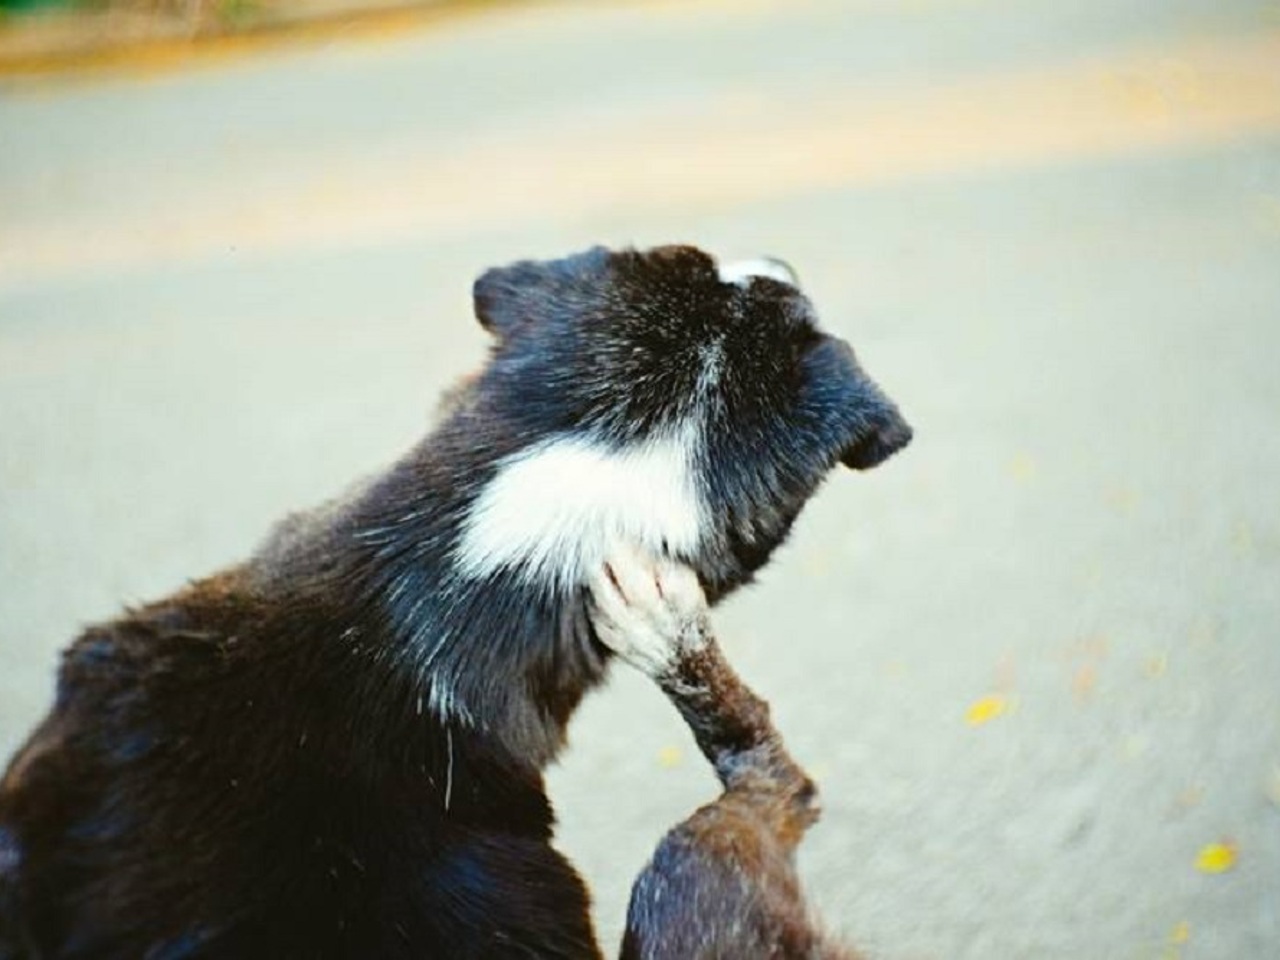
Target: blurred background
pixel 1034 662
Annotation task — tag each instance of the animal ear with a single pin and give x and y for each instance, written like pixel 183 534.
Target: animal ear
pixel 682 258
pixel 889 433
pixel 506 297
pixel 497 296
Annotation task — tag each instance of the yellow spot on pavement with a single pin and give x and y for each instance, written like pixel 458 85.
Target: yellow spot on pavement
pixel 1023 468
pixel 1121 499
pixel 1181 933
pixel 1084 682
pixel 669 757
pixel 1216 857
pixel 985 710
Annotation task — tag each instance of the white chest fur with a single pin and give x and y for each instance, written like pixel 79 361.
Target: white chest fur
pixel 553 511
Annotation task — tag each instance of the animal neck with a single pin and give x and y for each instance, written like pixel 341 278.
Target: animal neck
pixel 551 512
pixel 489 649
pixel 468 561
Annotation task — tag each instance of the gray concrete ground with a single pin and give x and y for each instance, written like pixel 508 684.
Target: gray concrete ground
pixel 1053 232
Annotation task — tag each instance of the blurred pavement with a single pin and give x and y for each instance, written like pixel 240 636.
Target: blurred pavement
pixel 1034 662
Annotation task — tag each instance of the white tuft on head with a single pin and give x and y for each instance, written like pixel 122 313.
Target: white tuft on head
pixel 741 271
pixel 553 510
pixel 711 370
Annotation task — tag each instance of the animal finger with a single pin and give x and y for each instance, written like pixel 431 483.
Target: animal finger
pixel 634 571
pixel 680 589
pixel 607 606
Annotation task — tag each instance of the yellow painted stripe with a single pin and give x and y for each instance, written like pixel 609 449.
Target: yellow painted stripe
pixel 700 154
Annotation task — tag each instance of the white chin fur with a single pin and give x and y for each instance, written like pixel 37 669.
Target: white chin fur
pixel 553 511
pixel 741 271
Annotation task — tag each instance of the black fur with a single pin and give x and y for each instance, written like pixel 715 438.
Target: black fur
pixel 335 749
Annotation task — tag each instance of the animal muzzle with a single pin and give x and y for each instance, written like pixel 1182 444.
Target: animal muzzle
pixel 880 430
pixel 888 434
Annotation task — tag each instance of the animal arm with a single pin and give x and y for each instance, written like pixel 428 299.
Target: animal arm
pixel 723 882
pixel 731 724
pixel 653 613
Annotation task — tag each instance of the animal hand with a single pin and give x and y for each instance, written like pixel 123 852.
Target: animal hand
pixel 649 610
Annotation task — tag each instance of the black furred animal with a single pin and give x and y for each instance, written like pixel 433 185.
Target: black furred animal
pixel 722 883
pixel 334 750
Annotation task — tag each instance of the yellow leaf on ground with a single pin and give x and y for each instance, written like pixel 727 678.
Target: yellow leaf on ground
pixel 1216 857
pixel 985 710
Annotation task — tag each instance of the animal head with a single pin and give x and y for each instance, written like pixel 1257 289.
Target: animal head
pixel 659 397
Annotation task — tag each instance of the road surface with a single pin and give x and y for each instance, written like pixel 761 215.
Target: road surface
pixel 1034 662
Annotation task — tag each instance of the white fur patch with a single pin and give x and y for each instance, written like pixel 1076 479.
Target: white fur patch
pixel 554 510
pixel 741 271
